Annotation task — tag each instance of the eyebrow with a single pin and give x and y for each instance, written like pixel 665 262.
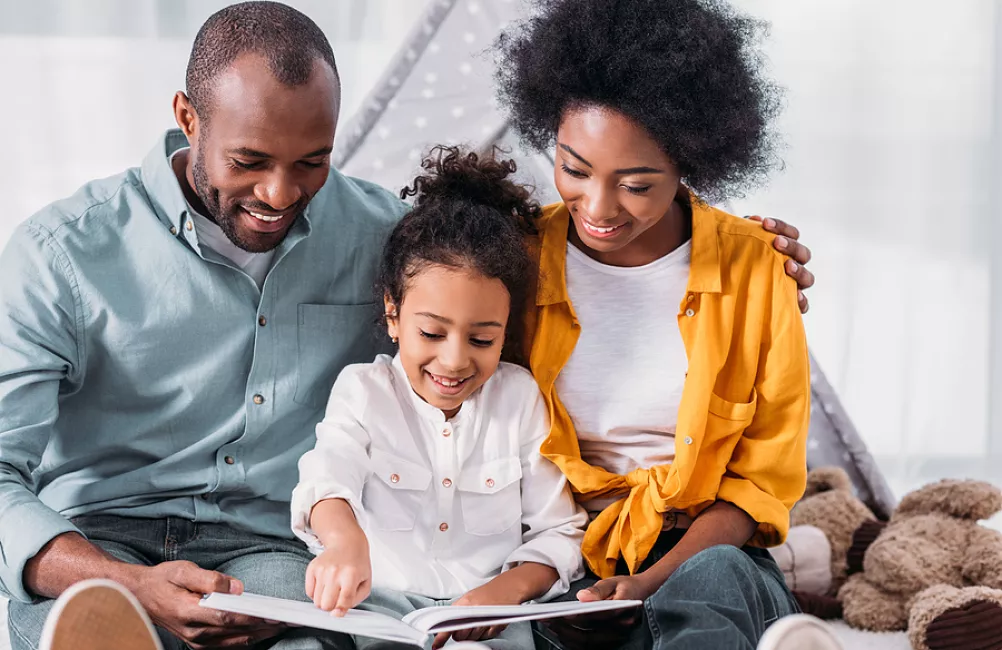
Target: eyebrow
pixel 443 319
pixel 628 170
pixel 254 153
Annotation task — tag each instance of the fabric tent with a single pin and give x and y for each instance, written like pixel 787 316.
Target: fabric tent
pixel 439 89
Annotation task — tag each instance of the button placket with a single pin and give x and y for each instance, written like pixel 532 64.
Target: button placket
pixel 446 471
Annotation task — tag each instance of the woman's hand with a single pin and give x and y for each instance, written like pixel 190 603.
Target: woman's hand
pixel 787 242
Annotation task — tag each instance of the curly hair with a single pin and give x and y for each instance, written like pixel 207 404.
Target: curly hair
pixel 467 214
pixel 687 71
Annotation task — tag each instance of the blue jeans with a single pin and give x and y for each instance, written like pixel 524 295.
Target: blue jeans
pixel 724 597
pixel 266 565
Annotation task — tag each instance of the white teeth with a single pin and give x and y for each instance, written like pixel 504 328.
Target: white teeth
pixel 264 217
pixel 449 383
pixel 600 230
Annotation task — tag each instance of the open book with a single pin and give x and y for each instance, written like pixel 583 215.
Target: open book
pixel 415 628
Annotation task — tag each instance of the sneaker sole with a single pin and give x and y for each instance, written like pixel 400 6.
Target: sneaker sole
pixel 98 615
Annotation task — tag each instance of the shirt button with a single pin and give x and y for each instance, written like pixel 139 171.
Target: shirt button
pixel 690 313
pixel 259 399
pixel 262 321
pixel 190 225
pixel 447 482
pixel 204 497
pixel 690 298
pixel 443 526
pixel 489 482
pixel 173 230
pixel 394 478
pixel 229 460
pixel 688 440
pixel 446 432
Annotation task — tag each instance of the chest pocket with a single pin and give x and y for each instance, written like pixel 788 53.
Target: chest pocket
pixel 331 337
pixel 491 496
pixel 395 492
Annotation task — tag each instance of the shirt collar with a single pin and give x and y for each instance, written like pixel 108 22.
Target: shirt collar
pixel 704 261
pixel 425 410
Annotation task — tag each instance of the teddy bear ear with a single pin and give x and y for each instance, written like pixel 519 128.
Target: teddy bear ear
pixel 971 500
pixel 827 479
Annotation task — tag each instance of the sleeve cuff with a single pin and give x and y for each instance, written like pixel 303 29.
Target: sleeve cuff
pixel 305 496
pixel 26 529
pixel 563 556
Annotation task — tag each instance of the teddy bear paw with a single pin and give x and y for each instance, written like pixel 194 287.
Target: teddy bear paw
pixel 944 617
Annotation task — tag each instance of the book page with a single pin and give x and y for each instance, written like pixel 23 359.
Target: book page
pixel 449 618
pixel 371 624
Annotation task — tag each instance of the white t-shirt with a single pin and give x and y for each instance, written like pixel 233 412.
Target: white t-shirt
pixel 209 234
pixel 623 383
pixel 445 505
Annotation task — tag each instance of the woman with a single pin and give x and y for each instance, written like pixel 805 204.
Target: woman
pixel 667 339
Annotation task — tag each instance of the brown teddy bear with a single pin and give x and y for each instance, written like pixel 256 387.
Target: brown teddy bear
pixel 932 569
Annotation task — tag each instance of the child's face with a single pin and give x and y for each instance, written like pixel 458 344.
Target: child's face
pixel 450 329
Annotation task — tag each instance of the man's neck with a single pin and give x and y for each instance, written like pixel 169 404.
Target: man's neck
pixel 181 164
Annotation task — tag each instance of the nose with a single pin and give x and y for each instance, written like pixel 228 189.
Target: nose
pixel 453 355
pixel 279 190
pixel 599 204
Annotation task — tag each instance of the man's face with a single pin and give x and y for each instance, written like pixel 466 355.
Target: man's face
pixel 261 150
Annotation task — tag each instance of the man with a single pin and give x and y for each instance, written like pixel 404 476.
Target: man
pixel 168 338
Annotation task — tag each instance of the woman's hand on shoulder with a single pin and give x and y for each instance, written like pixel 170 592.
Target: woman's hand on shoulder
pixel 788 243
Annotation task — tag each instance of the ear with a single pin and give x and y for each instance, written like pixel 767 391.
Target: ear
pixel 185 116
pixel 392 316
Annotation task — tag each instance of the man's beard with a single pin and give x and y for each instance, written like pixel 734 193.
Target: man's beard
pixel 227 218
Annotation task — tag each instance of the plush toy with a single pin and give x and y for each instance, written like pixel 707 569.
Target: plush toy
pixel 932 570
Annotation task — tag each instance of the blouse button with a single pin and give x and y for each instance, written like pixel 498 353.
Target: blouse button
pixel 447 482
pixel 690 313
pixel 443 526
pixel 489 482
pixel 394 478
pixel 688 440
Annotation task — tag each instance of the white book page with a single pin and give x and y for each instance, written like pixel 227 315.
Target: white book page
pixel 307 614
pixel 449 618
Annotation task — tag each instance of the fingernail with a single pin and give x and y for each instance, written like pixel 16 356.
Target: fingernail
pixel 781 242
pixel 235 587
pixel 769 223
pixel 793 266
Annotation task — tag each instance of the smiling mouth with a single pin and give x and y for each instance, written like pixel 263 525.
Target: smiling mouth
pixel 600 231
pixel 448 382
pixel 266 217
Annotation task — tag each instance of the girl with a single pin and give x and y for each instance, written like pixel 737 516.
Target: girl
pixel 667 339
pixel 427 465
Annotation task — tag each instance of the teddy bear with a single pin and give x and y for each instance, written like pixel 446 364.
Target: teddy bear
pixel 931 570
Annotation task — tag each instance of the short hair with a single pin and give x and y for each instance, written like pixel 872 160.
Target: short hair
pixel 287 39
pixel 468 214
pixel 687 71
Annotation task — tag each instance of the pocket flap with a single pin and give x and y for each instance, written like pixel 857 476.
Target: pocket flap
pixel 399 473
pixel 733 410
pixel 490 477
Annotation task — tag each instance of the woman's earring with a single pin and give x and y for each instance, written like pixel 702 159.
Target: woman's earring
pixel 394 339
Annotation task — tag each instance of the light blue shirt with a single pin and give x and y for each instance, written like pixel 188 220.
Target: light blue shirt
pixel 143 375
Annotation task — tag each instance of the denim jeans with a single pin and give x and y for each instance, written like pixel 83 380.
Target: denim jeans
pixel 723 597
pixel 266 565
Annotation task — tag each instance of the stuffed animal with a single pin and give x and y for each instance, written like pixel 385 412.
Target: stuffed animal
pixel 933 570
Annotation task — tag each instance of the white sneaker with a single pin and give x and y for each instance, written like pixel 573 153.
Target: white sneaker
pixel 98 615
pixel 799 632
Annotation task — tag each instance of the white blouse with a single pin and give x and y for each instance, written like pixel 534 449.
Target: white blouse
pixel 446 505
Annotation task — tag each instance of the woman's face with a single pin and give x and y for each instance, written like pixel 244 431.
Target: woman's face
pixel 617 183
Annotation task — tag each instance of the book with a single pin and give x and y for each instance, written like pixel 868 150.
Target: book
pixel 415 628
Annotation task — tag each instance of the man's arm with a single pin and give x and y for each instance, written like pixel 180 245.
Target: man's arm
pixel 787 242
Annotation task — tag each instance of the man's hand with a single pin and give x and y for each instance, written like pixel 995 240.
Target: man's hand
pixel 603 629
pixel 787 243
pixel 340 578
pixel 170 593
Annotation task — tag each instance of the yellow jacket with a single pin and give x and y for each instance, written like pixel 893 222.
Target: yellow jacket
pixel 742 422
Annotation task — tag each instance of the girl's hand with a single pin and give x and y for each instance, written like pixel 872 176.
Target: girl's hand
pixel 492 593
pixel 340 578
